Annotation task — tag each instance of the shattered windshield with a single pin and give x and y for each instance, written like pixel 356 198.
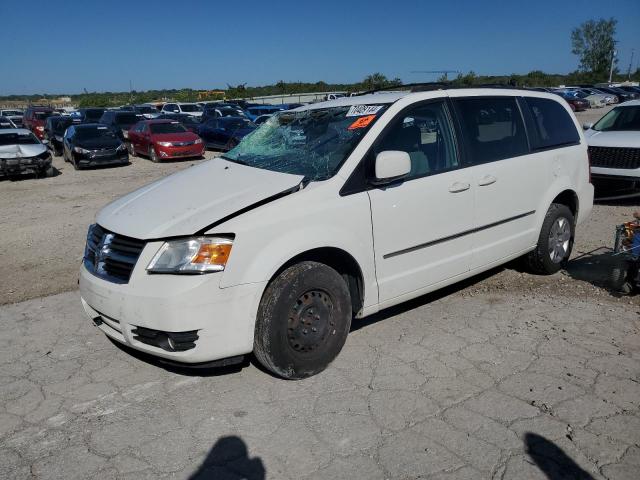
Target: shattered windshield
pixel 313 143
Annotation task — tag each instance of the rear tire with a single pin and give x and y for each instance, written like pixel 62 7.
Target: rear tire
pixel 618 276
pixel 554 243
pixel 303 320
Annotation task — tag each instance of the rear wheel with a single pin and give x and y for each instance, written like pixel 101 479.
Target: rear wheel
pixel 49 172
pixel 618 277
pixel 303 320
pixel 554 243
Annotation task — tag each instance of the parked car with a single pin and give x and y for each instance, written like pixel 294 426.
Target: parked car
pixel 6 123
pixel 120 122
pixel 337 210
pixel 630 89
pixel 621 94
pixel 89 115
pixel 93 145
pixel 34 118
pixel 164 139
pixel 225 132
pixel 54 131
pixel 577 104
pixel 188 108
pixel 261 119
pixel 189 122
pixel 22 152
pixel 609 97
pixel 614 146
pixel 14 115
pixel 221 111
pixel 147 111
pixel 596 100
pixel 254 112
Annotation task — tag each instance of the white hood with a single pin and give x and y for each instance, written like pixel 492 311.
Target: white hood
pixel 188 201
pixel 625 139
pixel 21 151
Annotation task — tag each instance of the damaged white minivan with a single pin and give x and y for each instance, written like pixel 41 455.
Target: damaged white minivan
pixel 332 211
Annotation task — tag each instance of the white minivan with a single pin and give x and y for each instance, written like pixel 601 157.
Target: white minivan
pixel 332 211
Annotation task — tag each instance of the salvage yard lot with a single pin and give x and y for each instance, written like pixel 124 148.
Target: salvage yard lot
pixel 508 375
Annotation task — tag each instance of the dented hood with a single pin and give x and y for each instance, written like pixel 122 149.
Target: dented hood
pixel 21 151
pixel 188 201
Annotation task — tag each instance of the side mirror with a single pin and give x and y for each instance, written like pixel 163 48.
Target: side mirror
pixel 587 126
pixel 45 141
pixel 391 165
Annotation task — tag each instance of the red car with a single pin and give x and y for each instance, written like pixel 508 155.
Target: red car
pixel 35 117
pixel 164 139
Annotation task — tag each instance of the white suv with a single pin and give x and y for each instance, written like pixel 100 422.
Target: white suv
pixel 334 210
pixel 192 109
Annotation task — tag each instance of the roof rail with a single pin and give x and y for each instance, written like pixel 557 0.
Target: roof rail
pixel 429 86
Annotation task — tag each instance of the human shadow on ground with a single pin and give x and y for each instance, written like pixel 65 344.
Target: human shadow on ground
pixel 552 460
pixel 229 459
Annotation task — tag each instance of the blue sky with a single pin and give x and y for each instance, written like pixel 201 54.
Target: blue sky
pixel 66 46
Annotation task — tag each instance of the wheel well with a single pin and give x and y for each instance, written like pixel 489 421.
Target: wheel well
pixel 340 261
pixel 570 199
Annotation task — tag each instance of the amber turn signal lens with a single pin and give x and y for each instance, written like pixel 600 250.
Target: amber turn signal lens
pixel 212 254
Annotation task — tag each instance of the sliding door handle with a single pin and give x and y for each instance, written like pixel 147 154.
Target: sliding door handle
pixel 459 187
pixel 487 180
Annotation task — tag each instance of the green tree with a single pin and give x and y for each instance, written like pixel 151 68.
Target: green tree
pixel 593 42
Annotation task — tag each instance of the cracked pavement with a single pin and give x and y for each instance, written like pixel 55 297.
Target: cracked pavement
pixel 456 385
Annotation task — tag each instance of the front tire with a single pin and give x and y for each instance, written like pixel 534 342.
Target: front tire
pixel 153 155
pixel 131 149
pixel 303 320
pixel 554 243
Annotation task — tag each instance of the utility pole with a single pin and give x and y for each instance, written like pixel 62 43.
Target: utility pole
pixel 613 56
pixel 630 64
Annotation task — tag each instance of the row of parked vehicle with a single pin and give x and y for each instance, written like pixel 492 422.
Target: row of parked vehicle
pixel 581 97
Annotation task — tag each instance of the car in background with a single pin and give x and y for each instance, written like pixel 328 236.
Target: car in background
pixel 614 145
pixel 577 104
pixel 255 111
pixel 54 130
pixel 22 152
pixel 93 145
pixel 6 123
pixel 188 108
pixel 89 115
pixel 542 89
pixel 221 110
pixel 120 121
pixel 14 115
pixel 261 119
pixel 610 98
pixel 621 94
pixel 596 100
pixel 164 139
pixel 189 122
pixel 146 110
pixel 225 133
pixel 630 89
pixel 34 118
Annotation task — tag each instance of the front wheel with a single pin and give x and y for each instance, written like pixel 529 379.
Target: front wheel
pixel 554 243
pixel 303 320
pixel 152 154
pixel 131 149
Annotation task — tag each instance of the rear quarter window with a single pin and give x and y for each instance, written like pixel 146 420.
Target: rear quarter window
pixel 553 125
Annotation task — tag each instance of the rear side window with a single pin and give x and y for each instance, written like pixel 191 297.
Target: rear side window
pixel 553 125
pixel 493 128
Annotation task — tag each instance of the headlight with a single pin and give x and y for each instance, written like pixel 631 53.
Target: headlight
pixel 192 255
pixel 121 147
pixel 199 140
pixel 165 144
pixel 81 150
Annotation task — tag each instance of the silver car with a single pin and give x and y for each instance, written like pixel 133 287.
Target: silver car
pixel 22 152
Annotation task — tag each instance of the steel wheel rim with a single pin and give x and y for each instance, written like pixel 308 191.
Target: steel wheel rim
pixel 310 321
pixel 559 239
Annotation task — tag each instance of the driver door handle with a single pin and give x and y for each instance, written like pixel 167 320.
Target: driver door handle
pixel 459 187
pixel 487 180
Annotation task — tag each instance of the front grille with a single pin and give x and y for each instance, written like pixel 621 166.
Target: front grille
pixel 104 152
pixel 183 144
pixel 615 157
pixel 111 256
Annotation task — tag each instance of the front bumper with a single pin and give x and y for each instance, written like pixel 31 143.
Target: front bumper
pixel 195 150
pixel 97 161
pixel 224 318
pixel 13 166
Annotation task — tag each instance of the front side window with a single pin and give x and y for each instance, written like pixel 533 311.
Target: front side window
pixel 424 132
pixel 620 119
pixel 313 142
pixel 189 107
pixel 493 128
pixel 553 124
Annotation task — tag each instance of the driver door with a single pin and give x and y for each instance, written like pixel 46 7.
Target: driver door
pixel 421 225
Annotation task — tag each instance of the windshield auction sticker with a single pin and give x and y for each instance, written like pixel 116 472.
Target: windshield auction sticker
pixel 359 110
pixel 362 122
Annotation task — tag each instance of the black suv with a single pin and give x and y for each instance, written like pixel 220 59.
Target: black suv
pixel 54 130
pixel 92 145
pixel 90 115
pixel 120 121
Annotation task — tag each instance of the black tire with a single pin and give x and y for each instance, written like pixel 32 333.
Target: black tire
pixel 74 163
pixel 618 276
pixel 540 260
pixel 153 156
pixel 303 320
pixel 49 172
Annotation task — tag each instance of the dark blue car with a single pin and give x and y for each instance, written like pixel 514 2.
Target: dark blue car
pixel 224 133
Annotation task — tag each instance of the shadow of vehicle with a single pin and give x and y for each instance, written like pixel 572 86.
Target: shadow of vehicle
pixel 593 267
pixel 552 460
pixel 18 177
pixel 229 458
